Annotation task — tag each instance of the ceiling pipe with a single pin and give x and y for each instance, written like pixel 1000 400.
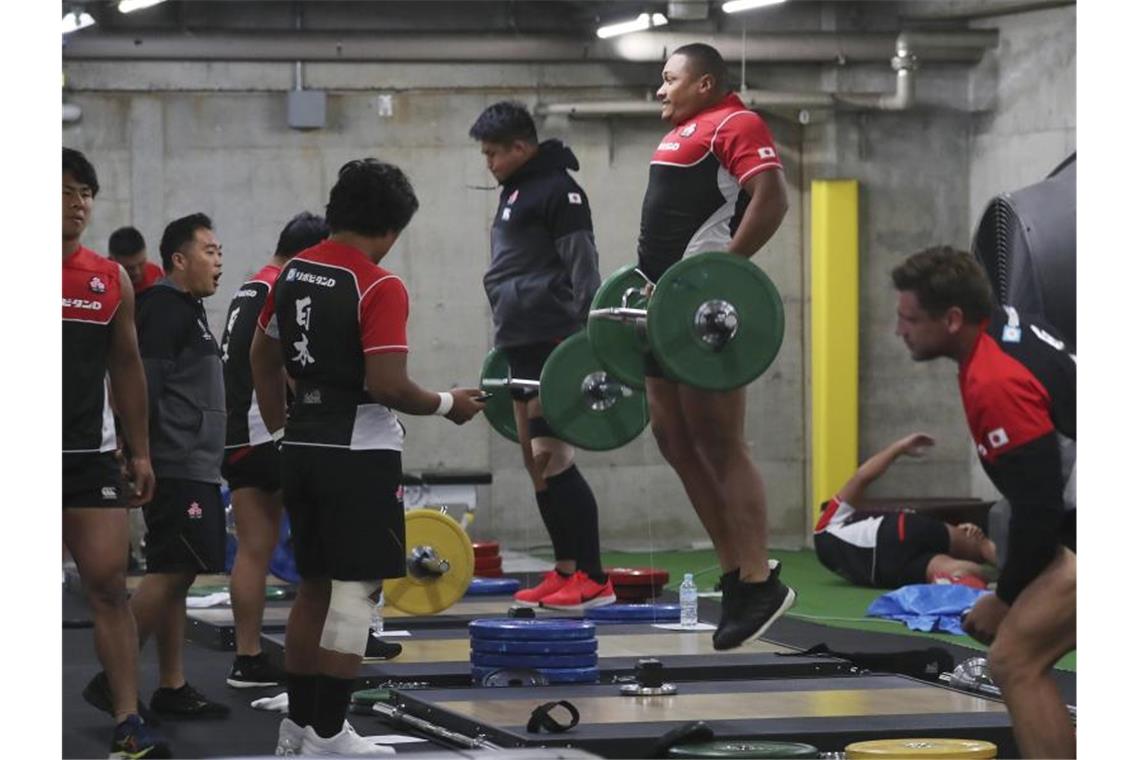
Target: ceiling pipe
pixel 965 46
pixel 904 62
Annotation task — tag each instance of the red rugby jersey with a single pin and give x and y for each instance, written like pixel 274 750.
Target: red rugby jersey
pixel 91 297
pixel 694 200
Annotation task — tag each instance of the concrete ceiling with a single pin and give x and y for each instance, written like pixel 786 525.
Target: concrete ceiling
pixel 570 17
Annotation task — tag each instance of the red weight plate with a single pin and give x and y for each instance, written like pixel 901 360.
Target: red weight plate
pixel 495 573
pixel 485 548
pixel 488 563
pixel 638 576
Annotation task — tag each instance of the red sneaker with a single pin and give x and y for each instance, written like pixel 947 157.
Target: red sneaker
pixel 551 582
pixel 581 593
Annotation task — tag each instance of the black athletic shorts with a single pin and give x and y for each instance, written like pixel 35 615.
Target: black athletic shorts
pixel 253 467
pixel 92 480
pixel 526 363
pixel 185 528
pixel 346 512
pixel 905 545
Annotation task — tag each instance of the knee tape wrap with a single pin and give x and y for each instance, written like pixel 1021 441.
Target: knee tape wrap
pixel 538 427
pixel 349 617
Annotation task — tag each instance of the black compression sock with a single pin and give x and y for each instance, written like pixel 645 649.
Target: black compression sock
pixel 576 500
pixel 302 691
pixel 561 530
pixel 333 696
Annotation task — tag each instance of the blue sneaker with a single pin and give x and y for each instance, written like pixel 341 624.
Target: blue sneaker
pixel 134 739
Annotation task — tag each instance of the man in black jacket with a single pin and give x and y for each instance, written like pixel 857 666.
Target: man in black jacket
pixel 186 519
pixel 542 278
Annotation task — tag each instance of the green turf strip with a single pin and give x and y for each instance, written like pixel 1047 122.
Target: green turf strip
pixel 822 596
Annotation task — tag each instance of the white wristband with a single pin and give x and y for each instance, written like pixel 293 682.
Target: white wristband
pixel 277 435
pixel 446 401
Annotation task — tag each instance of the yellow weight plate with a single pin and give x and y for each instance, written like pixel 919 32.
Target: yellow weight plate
pixel 421 593
pixel 926 748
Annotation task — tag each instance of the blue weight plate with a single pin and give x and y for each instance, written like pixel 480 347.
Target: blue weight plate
pixel 482 659
pixel 533 629
pixel 574 646
pixel 636 613
pixel 492 586
pixel 553 675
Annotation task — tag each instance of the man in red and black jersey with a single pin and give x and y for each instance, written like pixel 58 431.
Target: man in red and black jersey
pixel 715 184
pixel 337 323
pixel 127 248
pixel 1018 384
pixel 99 343
pixel 252 466
pixel 888 549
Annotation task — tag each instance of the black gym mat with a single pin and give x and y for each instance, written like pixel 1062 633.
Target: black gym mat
pixel 439 657
pixel 86 732
pixel 826 712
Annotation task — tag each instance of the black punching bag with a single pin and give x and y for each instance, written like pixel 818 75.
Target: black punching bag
pixel 1027 243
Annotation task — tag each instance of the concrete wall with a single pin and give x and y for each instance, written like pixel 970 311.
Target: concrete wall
pixel 162 153
pixel 169 139
pixel 1024 94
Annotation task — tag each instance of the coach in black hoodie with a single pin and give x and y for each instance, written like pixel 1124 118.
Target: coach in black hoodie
pixel 542 278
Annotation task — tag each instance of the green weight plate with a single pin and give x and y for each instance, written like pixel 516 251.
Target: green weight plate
pixel 743 748
pixel 677 301
pixel 619 346
pixel 578 418
pixel 500 409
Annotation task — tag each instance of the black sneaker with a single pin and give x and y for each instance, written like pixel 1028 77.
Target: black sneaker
pixel 379 649
pixel 755 607
pixel 727 586
pixel 186 702
pixel 97 692
pixel 254 671
pixel 134 739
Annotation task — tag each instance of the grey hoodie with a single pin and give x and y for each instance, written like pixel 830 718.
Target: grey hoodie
pixel 186 393
pixel 544 263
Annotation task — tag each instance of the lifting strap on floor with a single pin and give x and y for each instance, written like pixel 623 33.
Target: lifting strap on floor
pixel 540 718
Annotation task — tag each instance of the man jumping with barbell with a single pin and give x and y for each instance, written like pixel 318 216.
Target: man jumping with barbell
pixel 715 184
pixel 543 274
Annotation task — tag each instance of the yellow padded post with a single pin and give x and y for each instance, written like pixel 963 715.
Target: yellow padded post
pixel 834 336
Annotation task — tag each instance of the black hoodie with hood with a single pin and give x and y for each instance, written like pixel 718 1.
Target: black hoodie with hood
pixel 544 263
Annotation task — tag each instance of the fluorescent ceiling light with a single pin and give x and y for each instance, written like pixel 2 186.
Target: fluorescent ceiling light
pixel 735 6
pixel 639 24
pixel 126 6
pixel 74 21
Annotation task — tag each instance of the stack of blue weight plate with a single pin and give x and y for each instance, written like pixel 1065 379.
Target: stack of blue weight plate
pixel 561 651
pixel 635 613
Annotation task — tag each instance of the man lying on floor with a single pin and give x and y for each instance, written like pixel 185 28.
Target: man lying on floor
pixel 893 549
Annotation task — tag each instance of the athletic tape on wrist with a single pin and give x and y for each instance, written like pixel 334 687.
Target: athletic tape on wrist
pixel 446 401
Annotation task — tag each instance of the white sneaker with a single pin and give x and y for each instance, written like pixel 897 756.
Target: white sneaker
pixel 289 737
pixel 346 743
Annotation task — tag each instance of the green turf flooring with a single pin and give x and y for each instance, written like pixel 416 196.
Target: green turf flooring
pixel 823 597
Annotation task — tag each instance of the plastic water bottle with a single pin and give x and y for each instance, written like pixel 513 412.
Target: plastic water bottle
pixel 688 593
pixel 378 615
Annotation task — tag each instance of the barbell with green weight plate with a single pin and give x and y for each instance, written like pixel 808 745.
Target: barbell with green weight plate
pixel 714 321
pixel 499 409
pixel 583 404
pixel 620 346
